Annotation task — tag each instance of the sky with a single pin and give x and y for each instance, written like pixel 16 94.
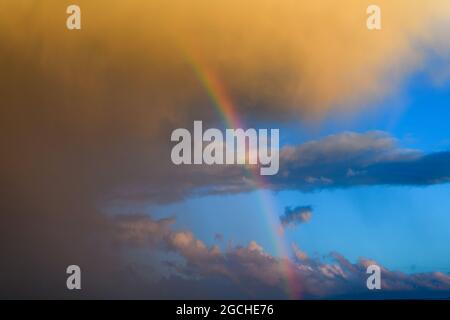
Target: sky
pixel 87 176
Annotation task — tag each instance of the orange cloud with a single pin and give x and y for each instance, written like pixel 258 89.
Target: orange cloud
pixel 294 56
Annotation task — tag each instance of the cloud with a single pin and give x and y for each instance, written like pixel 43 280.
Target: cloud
pixel 296 216
pixel 299 254
pixel 343 160
pixel 250 268
pixel 353 159
pixel 303 58
pixel 138 230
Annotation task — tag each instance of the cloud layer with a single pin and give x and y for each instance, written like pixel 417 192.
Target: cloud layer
pixel 342 160
pixel 352 159
pixel 249 268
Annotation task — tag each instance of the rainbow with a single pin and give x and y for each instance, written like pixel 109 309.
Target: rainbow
pixel 228 112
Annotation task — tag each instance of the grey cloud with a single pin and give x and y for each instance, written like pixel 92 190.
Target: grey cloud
pixel 295 216
pixel 342 160
pixel 353 159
